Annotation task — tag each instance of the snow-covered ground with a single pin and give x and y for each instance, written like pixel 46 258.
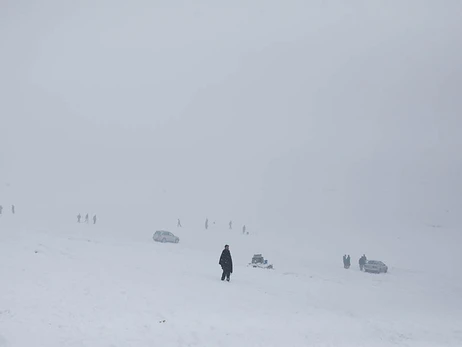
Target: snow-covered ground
pixel 326 127
pixel 86 285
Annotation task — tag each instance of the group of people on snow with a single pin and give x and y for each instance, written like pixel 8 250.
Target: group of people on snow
pixel 230 225
pixel 12 209
pixel 347 261
pixel 79 218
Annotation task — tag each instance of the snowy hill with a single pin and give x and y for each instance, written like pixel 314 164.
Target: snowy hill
pixel 88 286
pixel 326 127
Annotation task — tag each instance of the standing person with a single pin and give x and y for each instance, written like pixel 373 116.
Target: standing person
pixel 178 225
pixel 344 261
pixel 361 263
pixel 230 225
pixel 12 208
pixel 348 261
pixel 206 223
pixel 86 218
pixel 94 219
pixel 1 209
pixel 78 218
pixel 243 229
pixel 226 263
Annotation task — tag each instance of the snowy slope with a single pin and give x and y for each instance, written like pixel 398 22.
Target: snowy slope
pixel 326 127
pixel 88 286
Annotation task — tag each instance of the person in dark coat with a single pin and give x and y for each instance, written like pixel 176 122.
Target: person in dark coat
pixel 362 262
pixel 78 218
pixel 344 261
pixel 226 263
pixel 348 261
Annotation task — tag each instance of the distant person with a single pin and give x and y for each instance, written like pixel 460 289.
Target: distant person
pixel 12 208
pixel 178 225
pixel 79 217
pixel 348 261
pixel 344 261
pixel 94 219
pixel 1 209
pixel 230 225
pixel 226 264
pixel 362 262
pixel 86 218
pixel 243 229
pixel 206 223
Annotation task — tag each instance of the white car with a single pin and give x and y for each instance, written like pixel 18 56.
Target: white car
pixel 165 236
pixel 375 266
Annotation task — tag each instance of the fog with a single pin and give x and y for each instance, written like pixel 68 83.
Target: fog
pixel 274 114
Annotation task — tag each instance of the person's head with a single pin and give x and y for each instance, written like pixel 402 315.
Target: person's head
pixel 227 247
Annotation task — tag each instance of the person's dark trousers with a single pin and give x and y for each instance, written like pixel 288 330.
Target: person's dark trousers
pixel 226 274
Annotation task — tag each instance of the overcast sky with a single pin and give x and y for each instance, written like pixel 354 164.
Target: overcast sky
pixel 282 113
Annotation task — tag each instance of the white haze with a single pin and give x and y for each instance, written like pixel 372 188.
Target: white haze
pixel 274 113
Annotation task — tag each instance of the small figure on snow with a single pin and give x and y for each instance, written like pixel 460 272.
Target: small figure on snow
pixel 1 209
pixel 362 262
pixel 94 219
pixel 79 217
pixel 243 229
pixel 86 218
pixel 12 208
pixel 206 223
pixel 178 225
pixel 344 261
pixel 226 263
pixel 230 225
pixel 348 261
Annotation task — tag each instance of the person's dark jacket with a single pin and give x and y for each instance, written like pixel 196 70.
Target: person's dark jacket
pixel 225 261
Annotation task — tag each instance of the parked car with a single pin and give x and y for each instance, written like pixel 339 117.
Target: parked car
pixel 165 236
pixel 375 266
pixel 259 261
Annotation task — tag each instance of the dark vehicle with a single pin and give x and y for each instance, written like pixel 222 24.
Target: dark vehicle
pixel 259 261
